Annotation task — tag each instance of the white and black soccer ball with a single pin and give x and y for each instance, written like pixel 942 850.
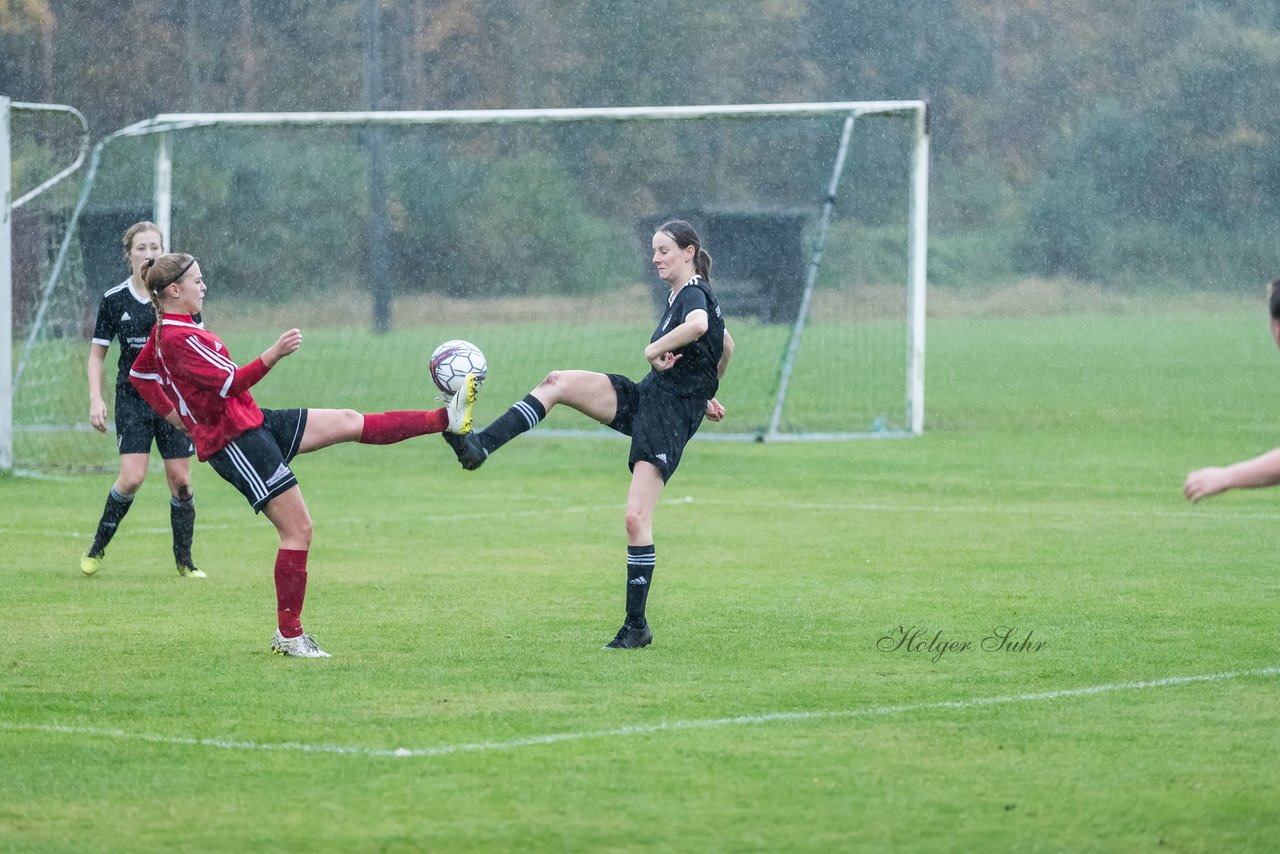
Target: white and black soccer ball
pixel 452 361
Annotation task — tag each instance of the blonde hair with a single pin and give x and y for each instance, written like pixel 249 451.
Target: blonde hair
pixel 160 273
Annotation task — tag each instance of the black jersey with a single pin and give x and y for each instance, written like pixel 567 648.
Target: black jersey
pixel 695 374
pixel 121 314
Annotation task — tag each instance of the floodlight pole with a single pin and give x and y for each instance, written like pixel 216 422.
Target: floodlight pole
pixel 6 295
pixel 375 137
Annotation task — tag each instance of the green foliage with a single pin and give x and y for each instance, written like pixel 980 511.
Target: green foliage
pixel 1082 126
pixel 527 233
pixel 878 256
pixel 501 227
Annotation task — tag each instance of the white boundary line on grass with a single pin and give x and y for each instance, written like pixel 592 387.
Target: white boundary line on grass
pixel 636 729
pixel 998 510
pixel 856 507
pixel 438 517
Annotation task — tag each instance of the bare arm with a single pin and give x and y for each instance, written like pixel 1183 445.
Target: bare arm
pixel 659 353
pixel 715 409
pixel 726 355
pixel 1246 474
pixel 97 407
pixel 246 376
pixel 286 344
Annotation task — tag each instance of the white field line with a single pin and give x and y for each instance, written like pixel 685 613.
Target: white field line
pixel 438 517
pixel 635 729
pixel 996 510
pixel 827 506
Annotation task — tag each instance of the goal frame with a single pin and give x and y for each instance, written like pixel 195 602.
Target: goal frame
pixel 163 125
pixel 8 379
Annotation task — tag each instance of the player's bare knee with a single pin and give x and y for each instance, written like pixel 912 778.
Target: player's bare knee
pixel 552 382
pixel 352 422
pixel 637 522
pixel 300 532
pixel 129 484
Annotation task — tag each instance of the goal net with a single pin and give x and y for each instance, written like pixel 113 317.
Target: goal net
pixel 526 232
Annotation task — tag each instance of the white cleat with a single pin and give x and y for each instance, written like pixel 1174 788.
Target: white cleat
pixel 303 646
pixel 460 405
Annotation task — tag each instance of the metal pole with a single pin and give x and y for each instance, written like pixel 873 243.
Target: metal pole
pixel 793 346
pixel 379 231
pixel 917 280
pixel 6 295
pixel 162 204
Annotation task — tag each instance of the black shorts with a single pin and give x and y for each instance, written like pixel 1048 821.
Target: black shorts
pixel 659 423
pixel 137 424
pixel 257 461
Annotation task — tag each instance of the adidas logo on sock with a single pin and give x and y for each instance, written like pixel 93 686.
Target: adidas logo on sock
pixel 639 581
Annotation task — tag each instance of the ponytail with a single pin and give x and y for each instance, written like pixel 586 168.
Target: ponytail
pixel 702 264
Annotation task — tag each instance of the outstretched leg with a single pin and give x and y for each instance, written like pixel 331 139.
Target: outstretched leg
pixel 327 427
pixel 588 392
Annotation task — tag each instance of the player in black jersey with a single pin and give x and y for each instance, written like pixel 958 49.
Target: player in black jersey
pixel 689 353
pixel 126 313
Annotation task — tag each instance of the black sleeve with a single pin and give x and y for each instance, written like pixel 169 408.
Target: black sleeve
pixel 691 299
pixel 104 329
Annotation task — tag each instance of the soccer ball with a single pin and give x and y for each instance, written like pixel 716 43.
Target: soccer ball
pixel 452 361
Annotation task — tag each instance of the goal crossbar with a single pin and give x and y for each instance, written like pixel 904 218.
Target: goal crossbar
pixel 165 122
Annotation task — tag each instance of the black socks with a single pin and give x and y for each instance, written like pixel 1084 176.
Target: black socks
pixel 641 561
pixel 117 505
pixel 182 516
pixel 523 415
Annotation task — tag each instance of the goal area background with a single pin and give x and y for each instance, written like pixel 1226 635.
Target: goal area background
pixel 526 232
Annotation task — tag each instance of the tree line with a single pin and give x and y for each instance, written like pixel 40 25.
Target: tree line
pixel 1092 139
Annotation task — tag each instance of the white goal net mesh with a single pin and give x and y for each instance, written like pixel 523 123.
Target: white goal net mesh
pixel 528 238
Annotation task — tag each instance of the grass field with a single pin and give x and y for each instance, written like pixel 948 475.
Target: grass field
pixel 469 706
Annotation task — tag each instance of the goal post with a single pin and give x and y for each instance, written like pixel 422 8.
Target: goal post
pixel 8 205
pixel 507 222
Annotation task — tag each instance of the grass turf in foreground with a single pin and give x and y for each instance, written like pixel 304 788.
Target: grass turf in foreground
pixel 466 614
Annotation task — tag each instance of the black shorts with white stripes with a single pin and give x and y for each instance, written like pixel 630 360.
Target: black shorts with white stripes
pixel 659 423
pixel 257 461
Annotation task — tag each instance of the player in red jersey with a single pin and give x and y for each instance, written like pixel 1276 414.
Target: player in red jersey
pixel 185 373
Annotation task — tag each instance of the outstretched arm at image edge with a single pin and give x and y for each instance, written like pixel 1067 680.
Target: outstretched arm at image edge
pixel 1246 474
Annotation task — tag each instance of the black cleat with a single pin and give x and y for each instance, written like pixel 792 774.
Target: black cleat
pixel 631 637
pixel 468 448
